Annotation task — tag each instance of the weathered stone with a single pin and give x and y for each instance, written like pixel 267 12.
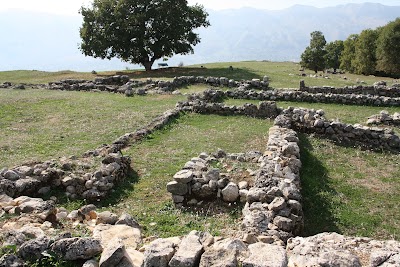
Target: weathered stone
pixel 230 193
pixel 189 251
pixel 113 253
pixel 243 185
pixel 224 253
pixel 11 175
pixel 33 249
pixel 11 260
pixel 91 263
pixel 183 176
pixel 106 217
pixel 277 204
pixel 283 223
pixel 159 253
pixel 130 236
pixel 176 188
pixel 262 254
pixel 127 219
pixel 77 248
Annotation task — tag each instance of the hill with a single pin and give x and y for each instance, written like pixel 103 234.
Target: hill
pixel 50 42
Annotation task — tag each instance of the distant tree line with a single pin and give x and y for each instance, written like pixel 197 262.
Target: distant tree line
pixel 370 52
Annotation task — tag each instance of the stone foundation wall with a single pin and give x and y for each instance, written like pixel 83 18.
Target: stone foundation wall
pixel 384 118
pixel 73 176
pixel 379 89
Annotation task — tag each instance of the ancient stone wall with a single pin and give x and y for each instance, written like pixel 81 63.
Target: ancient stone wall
pixel 379 89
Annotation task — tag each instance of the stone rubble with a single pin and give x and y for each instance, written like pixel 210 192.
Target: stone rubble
pixel 384 118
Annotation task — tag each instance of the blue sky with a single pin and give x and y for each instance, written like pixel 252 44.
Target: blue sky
pixel 71 7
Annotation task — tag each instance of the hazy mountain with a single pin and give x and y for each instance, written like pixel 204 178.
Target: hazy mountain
pixel 50 42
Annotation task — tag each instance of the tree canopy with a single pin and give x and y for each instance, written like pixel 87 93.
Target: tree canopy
pixel 388 48
pixel 348 54
pixel 140 31
pixel 333 53
pixel 365 52
pixel 313 56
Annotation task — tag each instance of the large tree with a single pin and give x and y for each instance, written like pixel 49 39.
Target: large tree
pixel 365 52
pixel 348 54
pixel 140 31
pixel 313 56
pixel 388 48
pixel 333 53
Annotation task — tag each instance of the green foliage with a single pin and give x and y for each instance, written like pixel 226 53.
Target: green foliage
pixel 9 249
pixel 140 31
pixel 348 54
pixel 365 50
pixel 50 259
pixel 388 48
pixel 314 56
pixel 333 53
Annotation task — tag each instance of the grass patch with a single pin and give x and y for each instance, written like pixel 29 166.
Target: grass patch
pixel 38 125
pixel 159 157
pixel 349 191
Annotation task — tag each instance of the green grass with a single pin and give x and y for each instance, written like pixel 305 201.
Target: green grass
pixel 349 191
pixel 42 124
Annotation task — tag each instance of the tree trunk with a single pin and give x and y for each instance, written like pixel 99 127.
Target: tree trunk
pixel 148 63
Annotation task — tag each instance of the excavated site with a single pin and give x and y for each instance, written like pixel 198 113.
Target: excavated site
pixel 272 216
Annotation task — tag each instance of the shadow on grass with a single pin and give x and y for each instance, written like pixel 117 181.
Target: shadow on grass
pixel 122 190
pixel 234 73
pixel 315 186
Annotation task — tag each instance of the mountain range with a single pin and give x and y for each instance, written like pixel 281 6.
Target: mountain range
pixel 32 40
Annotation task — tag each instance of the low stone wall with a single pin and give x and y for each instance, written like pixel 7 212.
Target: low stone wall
pixel 298 96
pixel 262 110
pixel 384 118
pixel 312 121
pixel 122 84
pixel 199 180
pixel 378 89
pixel 70 175
pixel 273 206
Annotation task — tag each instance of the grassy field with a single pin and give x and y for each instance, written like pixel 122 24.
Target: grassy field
pixel 345 189
pixel 281 74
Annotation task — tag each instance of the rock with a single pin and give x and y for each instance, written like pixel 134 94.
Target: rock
pixel 113 253
pixel 277 204
pixel 130 236
pixel 33 249
pixel 128 220
pixel 159 253
pixel 91 263
pixel 77 248
pixel 230 193
pixel 11 175
pixel 12 238
pixel 85 210
pixel 11 260
pixel 136 257
pixel 189 251
pixel 283 223
pixel 212 175
pixel 243 185
pixel 262 254
pixel 224 253
pixel 176 188
pixel 183 176
pixel 106 217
